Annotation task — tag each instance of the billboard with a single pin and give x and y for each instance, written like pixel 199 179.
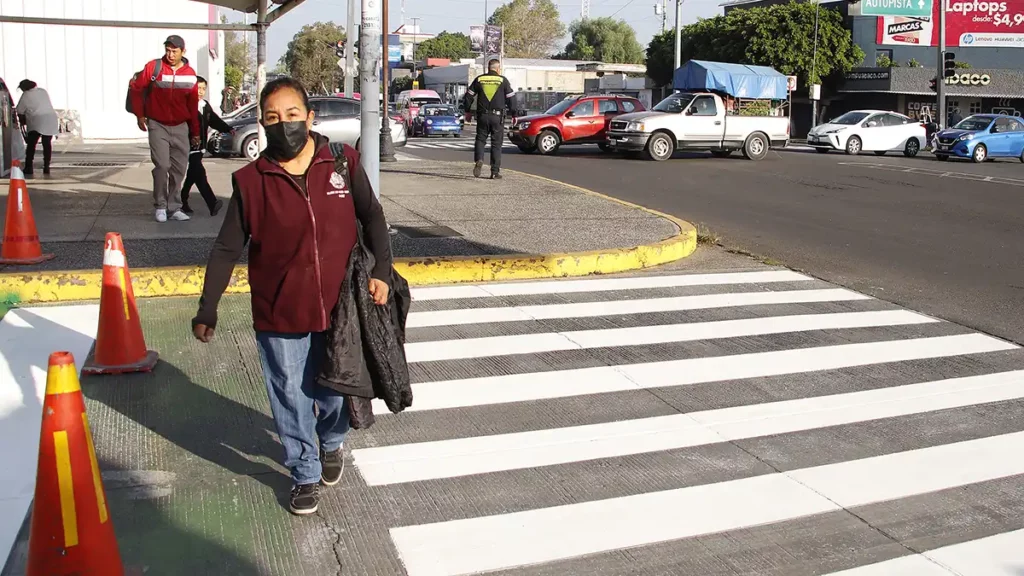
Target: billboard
pixel 485 39
pixel 969 23
pixel 476 38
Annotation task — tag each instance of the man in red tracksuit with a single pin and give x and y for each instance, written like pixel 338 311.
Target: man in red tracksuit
pixel 165 102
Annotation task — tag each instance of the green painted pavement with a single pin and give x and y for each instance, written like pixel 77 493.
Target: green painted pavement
pixel 189 459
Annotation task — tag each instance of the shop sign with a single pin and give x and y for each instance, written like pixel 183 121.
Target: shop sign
pixel 975 23
pixel 919 8
pixel 969 80
pixel 868 79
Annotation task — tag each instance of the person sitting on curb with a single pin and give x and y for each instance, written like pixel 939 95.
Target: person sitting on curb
pixel 300 219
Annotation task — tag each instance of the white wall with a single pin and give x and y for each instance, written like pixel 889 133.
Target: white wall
pixel 86 69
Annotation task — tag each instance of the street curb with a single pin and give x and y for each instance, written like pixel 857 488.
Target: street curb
pixel 77 285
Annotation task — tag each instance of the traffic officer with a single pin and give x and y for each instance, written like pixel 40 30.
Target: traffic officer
pixel 494 96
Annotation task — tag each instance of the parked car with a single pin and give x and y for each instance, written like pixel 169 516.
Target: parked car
pixel 697 121
pixel 982 136
pixel 575 120
pixel 336 118
pixel 875 131
pixel 437 120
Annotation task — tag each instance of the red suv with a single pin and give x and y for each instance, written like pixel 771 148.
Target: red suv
pixel 575 120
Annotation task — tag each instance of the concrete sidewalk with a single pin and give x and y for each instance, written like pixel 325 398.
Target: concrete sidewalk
pixel 438 208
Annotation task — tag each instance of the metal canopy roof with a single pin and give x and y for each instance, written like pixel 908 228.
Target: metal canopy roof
pixel 239 5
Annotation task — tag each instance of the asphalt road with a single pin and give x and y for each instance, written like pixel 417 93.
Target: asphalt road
pixel 944 239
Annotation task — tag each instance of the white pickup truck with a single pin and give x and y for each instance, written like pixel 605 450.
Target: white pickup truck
pixel 696 121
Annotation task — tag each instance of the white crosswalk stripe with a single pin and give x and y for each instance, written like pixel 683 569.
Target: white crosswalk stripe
pixel 557 424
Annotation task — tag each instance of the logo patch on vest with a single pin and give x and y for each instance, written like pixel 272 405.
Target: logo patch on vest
pixel 338 183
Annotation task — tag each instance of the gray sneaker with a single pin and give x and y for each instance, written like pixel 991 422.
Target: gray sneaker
pixel 161 215
pixel 333 464
pixel 180 216
pixel 304 499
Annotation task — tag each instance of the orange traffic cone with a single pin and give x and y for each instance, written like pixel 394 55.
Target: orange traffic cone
pixel 120 346
pixel 21 240
pixel 71 532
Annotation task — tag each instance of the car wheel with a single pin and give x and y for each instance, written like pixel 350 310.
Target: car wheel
pixel 251 148
pixel 880 152
pixel 941 157
pixel 980 153
pixel 912 148
pixel 526 149
pixel 854 145
pixel 548 142
pixel 756 146
pixel 721 153
pixel 1022 156
pixel 605 147
pixel 456 135
pixel 660 147
pixel 821 150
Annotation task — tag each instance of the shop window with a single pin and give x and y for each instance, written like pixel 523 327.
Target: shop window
pixel 975 107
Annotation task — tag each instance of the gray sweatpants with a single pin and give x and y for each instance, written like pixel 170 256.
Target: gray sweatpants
pixel 168 147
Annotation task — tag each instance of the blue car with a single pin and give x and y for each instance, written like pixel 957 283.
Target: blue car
pixel 982 136
pixel 438 120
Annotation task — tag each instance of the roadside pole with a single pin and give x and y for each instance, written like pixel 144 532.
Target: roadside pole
pixel 940 65
pixel 351 38
pixel 369 90
pixel 679 39
pixel 261 67
pixel 387 145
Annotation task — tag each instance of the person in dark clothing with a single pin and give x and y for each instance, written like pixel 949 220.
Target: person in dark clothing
pixel 955 118
pixel 299 217
pixel 494 96
pixel 40 120
pixel 196 174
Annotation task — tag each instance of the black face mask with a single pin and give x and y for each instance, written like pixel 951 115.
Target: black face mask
pixel 285 140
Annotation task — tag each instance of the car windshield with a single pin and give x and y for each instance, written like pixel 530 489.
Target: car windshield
pixel 675 103
pixel 439 111
pixel 974 123
pixel 424 101
pixel 850 118
pixel 561 107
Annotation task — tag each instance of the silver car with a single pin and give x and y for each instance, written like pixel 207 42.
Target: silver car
pixel 335 117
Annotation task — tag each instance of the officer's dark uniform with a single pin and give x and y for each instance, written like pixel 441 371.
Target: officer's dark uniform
pixel 494 96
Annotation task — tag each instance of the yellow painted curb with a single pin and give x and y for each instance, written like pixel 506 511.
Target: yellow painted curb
pixel 69 286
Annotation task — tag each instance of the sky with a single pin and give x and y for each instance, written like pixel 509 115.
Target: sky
pixel 458 15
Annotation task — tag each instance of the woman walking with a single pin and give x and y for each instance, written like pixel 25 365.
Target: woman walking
pixel 299 216
pixel 38 115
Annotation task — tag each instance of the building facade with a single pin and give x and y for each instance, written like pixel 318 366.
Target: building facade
pixel 86 70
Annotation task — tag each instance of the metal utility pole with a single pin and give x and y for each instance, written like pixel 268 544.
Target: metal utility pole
pixel 814 66
pixel 679 39
pixel 940 68
pixel 369 89
pixel 486 55
pixel 350 49
pixel 585 10
pixel 661 10
pixel 415 44
pixel 387 145
pixel 261 66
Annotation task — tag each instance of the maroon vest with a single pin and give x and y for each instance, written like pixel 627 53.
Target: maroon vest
pixel 299 246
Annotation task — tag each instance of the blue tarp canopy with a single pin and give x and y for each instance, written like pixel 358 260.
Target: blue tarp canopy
pixel 737 80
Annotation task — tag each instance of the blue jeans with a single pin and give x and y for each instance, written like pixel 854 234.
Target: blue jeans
pixel 304 411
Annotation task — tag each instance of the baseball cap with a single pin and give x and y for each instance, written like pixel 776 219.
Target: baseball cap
pixel 176 41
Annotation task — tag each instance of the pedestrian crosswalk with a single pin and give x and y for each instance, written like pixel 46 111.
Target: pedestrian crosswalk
pixel 445 144
pixel 760 422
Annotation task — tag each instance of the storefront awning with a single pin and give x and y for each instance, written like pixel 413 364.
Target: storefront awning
pixel 969 82
pixel 249 6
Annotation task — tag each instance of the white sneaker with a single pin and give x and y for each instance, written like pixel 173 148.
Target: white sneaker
pixel 161 215
pixel 180 216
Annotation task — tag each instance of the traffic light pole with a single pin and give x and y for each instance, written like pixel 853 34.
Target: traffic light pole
pixel 940 76
pixel 350 41
pixel 387 145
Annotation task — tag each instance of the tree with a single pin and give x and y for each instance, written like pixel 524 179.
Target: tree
pixel 604 40
pixel 239 57
pixel 311 57
pixel 779 36
pixel 453 46
pixel 532 27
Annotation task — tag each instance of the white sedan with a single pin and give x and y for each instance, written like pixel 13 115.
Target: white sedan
pixel 870 131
